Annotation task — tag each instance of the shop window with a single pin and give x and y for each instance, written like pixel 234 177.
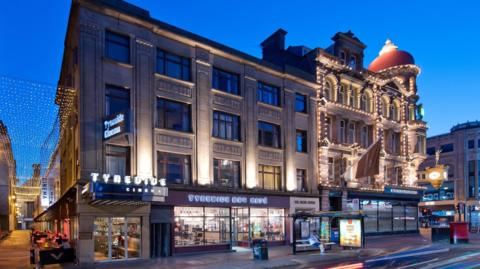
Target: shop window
pixel 268 134
pixel 117 47
pixel 300 103
pixel 267 223
pixel 199 226
pixel 117 99
pixel 226 126
pixel 117 160
pixel 370 208
pixel 225 81
pixel 302 180
pixel 117 238
pixel 173 115
pixel 175 168
pixel 173 65
pixel 226 173
pixel 268 94
pixel 301 141
pixel 270 177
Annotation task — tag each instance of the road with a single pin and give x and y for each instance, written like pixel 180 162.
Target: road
pixel 14 252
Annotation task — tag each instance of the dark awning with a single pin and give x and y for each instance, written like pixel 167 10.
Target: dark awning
pixel 63 208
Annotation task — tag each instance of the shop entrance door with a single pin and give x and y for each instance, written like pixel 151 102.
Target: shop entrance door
pixel 160 240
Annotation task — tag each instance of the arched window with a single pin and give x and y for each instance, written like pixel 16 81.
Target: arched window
pixel 328 91
pixel 385 107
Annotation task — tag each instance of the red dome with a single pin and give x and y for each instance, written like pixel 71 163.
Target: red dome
pixel 390 56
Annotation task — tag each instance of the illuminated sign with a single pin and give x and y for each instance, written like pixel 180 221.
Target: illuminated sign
pixel 106 186
pixel 114 125
pixel 223 199
pixel 44 201
pixel 350 233
pixel 401 191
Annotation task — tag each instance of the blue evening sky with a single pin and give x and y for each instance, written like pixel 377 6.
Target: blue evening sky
pixel 443 36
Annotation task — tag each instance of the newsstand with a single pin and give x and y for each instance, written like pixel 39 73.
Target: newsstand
pixel 260 249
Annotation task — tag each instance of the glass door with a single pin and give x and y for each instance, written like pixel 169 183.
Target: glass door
pixel 117 238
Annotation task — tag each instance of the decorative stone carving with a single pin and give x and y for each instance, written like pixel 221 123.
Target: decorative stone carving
pixel 270 155
pixel 269 113
pixel 227 149
pixel 228 102
pixel 173 88
pixel 170 140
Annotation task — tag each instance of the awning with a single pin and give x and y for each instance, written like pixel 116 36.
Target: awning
pixel 63 208
pixel 327 214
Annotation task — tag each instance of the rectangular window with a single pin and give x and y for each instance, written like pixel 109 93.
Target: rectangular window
pixel 117 160
pixel 117 238
pixel 270 177
pixel 301 140
pixel 175 168
pixel 471 178
pixel 199 226
pixel 302 180
pixel 268 134
pixel 431 151
pixel 172 65
pixel 300 103
pixel 328 123
pixel 342 132
pixel 225 81
pixel 471 144
pixel 351 133
pixel 226 173
pixel 364 137
pixel 226 126
pixel 447 148
pixel 420 146
pixel 117 47
pixel 173 115
pixel 117 99
pixel 268 94
pixel 331 169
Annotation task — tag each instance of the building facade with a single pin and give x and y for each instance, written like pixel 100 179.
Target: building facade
pixel 173 143
pixel 7 182
pixel 460 153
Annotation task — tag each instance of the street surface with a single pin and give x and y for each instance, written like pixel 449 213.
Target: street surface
pixel 394 251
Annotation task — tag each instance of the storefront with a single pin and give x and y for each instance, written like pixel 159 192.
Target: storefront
pixel 393 211
pixel 204 221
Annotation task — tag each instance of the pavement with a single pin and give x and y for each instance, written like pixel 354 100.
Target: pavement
pixel 390 251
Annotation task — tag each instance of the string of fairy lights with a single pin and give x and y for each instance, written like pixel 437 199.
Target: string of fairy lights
pixel 28 110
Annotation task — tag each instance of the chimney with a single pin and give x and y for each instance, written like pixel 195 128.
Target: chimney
pixel 274 44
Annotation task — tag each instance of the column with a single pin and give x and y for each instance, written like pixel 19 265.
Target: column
pixel 289 130
pixel 251 127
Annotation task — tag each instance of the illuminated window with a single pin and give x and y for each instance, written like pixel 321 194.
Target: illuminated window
pixel 301 141
pixel 300 103
pixel 226 173
pixel 270 177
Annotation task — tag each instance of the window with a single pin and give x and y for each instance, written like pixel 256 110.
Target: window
pixel 395 143
pixel 478 143
pixel 447 148
pixel 301 141
pixel 270 177
pixel 226 173
pixel 342 131
pixel 331 169
pixel 341 95
pixel 300 103
pixel 117 160
pixel 328 93
pixel 431 151
pixel 353 98
pixel 420 146
pixel 384 107
pixel 268 134
pixel 117 238
pixel 225 81
pixel 173 115
pixel 471 178
pixel 301 180
pixel 226 126
pixel 351 133
pixel 172 65
pixel 328 123
pixel 267 223
pixel 364 137
pixel 471 144
pixel 117 99
pixel 268 94
pixel 117 47
pixel 175 168
pixel 353 62
pixel 198 226
pixel 343 57
pixel 394 115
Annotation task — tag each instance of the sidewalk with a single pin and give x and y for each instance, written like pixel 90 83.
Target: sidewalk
pixel 278 256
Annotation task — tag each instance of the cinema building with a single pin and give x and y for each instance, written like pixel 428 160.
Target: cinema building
pixel 173 143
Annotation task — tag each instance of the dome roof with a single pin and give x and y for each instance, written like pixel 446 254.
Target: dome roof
pixel 390 56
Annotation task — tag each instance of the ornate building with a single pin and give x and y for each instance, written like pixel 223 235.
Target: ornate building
pixel 7 182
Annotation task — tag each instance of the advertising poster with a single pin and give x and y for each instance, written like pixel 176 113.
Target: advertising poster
pixel 350 233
